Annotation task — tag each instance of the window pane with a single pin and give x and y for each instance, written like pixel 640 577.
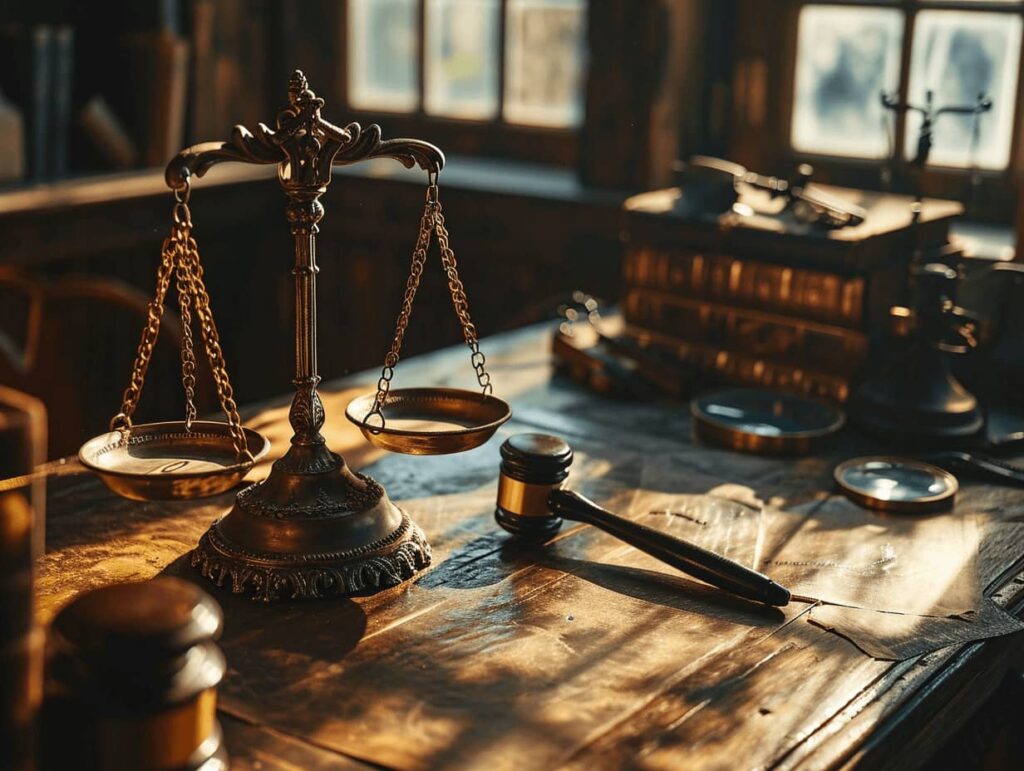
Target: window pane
pixel 544 62
pixel 958 55
pixel 462 58
pixel 846 57
pixel 383 54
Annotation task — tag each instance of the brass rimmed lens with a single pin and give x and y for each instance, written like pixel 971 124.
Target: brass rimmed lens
pixel 763 421
pixel 896 484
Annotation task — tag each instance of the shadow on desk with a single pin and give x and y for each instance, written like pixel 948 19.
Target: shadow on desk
pixel 330 630
pixel 669 590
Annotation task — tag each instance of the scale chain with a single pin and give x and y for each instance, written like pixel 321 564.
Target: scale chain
pixel 154 313
pixel 461 303
pixel 431 222
pixel 188 358
pixel 412 283
pixel 180 260
pixel 211 342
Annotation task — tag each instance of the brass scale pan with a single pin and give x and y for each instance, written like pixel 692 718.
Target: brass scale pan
pixel 430 421
pixel 179 460
pixel 161 461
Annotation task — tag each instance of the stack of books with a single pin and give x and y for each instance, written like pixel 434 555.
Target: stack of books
pixel 762 300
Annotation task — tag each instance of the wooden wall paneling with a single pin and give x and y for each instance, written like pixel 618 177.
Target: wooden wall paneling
pixel 229 82
pixel 762 87
pixel 637 88
pixel 309 37
pixel 711 115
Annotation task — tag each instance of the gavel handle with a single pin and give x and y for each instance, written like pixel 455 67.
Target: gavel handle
pixel 691 559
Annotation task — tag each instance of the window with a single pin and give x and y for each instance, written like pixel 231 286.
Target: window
pixel 959 55
pixel 848 54
pixel 846 57
pixel 461 68
pixel 478 72
pixel 544 62
pixel 382 44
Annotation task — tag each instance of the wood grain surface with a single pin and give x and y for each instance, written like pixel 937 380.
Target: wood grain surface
pixel 582 653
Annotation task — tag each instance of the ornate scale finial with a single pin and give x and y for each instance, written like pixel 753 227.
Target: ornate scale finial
pixel 301 95
pixel 297 83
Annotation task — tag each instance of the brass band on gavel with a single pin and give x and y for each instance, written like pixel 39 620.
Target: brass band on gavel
pixel 530 500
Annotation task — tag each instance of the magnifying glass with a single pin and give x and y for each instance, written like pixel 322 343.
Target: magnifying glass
pixel 896 484
pixel 763 421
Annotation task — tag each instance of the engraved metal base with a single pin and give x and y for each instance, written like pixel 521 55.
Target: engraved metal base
pixel 267 577
pixel 312 529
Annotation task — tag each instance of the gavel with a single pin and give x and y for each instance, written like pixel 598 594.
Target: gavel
pixel 532 504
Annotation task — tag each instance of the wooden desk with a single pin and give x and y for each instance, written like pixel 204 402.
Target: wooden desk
pixel 582 653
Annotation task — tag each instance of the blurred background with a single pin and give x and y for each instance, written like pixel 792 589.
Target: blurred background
pixel 552 113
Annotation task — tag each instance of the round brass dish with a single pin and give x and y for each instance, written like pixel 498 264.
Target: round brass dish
pixel 764 422
pixel 430 421
pixel 896 484
pixel 162 461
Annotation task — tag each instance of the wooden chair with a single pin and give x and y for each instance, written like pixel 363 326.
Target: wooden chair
pixel 71 341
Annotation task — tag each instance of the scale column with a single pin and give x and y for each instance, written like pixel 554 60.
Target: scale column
pixel 307 411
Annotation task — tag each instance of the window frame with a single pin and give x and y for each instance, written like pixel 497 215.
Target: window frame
pixel 491 136
pixel 995 196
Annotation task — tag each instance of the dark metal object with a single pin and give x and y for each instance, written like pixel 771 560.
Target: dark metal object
pixel 909 393
pixel 150 464
pixel 763 421
pixel 431 421
pixel 709 186
pixel 132 679
pixel 982 465
pixel 929 114
pixel 896 484
pixel 313 528
pixel 532 504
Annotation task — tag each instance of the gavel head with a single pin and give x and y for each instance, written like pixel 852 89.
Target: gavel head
pixel 532 465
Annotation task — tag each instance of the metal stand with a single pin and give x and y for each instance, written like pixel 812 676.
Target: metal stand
pixel 313 528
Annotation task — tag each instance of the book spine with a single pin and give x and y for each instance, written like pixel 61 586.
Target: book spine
pixel 770 337
pixel 810 294
pixel 166 120
pixel 60 110
pixel 12 142
pixel 744 369
pixel 106 133
pixel 41 44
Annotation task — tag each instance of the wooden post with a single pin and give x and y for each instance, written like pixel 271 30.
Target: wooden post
pixel 644 80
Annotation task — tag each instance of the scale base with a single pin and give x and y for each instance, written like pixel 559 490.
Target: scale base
pixel 312 529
